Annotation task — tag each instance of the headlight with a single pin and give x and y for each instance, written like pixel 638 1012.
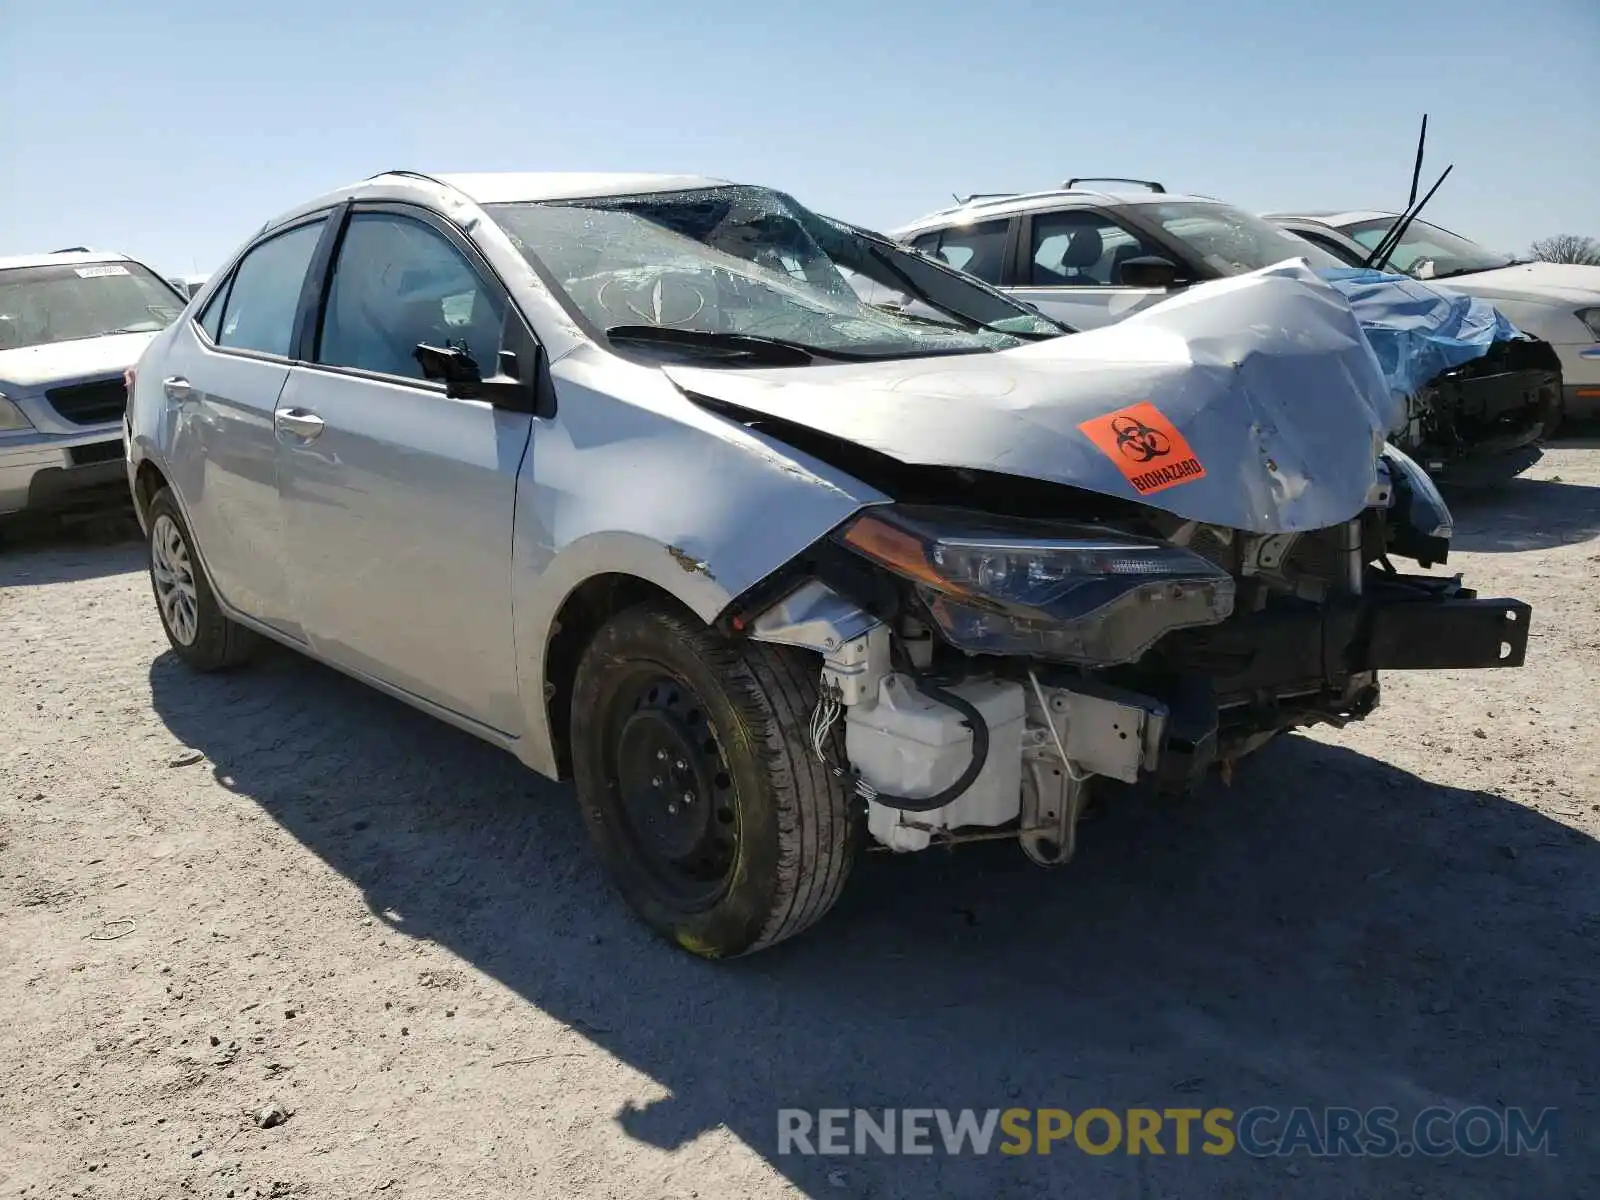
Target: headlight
pixel 1591 318
pixel 1037 589
pixel 1428 514
pixel 11 417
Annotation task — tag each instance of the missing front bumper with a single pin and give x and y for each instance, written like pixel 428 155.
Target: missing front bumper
pixel 1445 634
pixel 1232 685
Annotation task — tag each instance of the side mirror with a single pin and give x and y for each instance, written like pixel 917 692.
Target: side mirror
pixel 463 378
pixel 1149 271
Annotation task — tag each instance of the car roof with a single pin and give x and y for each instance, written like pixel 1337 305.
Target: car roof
pixel 61 258
pixel 1006 205
pixel 1336 219
pixel 447 190
pixel 511 187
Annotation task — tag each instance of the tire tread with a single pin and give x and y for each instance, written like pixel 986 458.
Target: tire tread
pixel 773 691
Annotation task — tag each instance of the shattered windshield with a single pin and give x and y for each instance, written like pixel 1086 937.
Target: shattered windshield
pixel 1428 252
pixel 1231 240
pixel 745 268
pixel 65 302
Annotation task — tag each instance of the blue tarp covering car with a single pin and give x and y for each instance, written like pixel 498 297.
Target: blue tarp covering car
pixel 1419 331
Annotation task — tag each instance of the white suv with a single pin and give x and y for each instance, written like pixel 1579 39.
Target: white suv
pixel 71 323
pixel 1090 258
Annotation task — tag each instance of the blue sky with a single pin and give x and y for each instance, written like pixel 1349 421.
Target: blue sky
pixel 170 129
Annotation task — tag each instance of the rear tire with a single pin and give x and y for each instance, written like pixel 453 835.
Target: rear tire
pixel 195 626
pixel 698 784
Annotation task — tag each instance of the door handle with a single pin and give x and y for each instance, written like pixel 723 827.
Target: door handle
pixel 298 421
pixel 177 388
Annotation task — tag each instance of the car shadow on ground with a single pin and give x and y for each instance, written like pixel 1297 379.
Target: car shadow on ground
pixel 1329 931
pixel 1525 514
pixel 41 550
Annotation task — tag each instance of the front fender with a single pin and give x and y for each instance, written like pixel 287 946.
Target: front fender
pixel 632 478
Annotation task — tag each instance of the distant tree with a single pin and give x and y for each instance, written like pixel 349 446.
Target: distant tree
pixel 1568 248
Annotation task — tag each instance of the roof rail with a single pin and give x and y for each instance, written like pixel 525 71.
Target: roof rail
pixel 73 250
pixel 1149 183
pixel 409 175
pixel 970 198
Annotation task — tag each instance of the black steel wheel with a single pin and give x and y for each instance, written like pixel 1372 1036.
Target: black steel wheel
pixel 675 788
pixel 698 786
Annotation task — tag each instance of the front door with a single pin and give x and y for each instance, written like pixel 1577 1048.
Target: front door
pixel 1069 267
pixel 397 500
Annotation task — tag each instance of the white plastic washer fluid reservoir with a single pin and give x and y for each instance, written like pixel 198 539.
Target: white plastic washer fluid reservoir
pixel 908 744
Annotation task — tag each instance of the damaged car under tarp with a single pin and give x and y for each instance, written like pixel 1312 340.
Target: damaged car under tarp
pixel 1478 392
pixel 768 570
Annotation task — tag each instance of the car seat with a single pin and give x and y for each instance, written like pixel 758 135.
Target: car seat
pixel 1083 250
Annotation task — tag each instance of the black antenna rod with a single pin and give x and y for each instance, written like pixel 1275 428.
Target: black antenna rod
pixel 1416 171
pixel 1379 258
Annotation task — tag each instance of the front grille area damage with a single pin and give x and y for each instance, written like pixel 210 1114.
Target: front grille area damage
pixel 1494 404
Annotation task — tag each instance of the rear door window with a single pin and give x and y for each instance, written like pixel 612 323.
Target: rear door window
pixel 258 306
pixel 976 249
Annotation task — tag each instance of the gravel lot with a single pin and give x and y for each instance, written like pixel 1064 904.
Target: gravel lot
pixel 220 892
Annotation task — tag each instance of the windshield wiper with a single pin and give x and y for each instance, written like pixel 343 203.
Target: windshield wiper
pixel 89 337
pixel 770 350
pixel 972 323
pixel 1474 271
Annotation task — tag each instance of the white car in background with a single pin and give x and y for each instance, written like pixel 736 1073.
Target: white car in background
pixel 1559 302
pixel 71 322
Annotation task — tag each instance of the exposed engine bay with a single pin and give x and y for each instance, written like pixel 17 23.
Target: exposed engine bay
pixel 983 671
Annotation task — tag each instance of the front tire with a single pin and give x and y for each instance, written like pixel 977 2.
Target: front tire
pixel 195 626
pixel 698 785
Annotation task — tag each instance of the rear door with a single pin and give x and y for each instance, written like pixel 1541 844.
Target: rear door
pixel 222 376
pixel 983 248
pixel 1069 266
pixel 398 500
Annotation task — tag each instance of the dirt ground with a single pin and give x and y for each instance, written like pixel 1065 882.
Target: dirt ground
pixel 277 886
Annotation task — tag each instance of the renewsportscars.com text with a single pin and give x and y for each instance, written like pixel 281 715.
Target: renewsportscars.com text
pixel 1259 1131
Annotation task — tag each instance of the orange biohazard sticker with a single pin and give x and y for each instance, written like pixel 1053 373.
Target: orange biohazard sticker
pixel 1147 448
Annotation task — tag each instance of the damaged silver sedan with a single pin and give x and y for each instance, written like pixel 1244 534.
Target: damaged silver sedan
pixel 622 474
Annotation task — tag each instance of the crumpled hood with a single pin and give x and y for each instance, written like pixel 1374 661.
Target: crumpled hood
pixel 1552 283
pixel 1253 402
pixel 40 366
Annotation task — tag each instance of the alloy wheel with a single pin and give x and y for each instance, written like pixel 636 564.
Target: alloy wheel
pixel 173 572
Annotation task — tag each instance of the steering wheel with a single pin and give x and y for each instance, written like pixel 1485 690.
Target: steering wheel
pixel 667 297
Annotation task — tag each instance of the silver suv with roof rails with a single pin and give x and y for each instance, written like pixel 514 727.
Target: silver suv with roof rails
pixel 71 323
pixel 1090 257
